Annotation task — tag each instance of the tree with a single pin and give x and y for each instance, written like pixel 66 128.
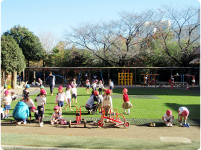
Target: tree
pixel 116 42
pixel 178 41
pixel 28 42
pixel 12 58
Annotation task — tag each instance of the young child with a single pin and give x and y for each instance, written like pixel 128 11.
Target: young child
pixel 7 101
pixel 111 85
pixel 30 104
pixel 168 118
pixel 127 104
pixel 61 96
pixel 183 112
pixel 74 93
pixel 107 102
pixel 68 96
pixel 14 96
pixel 42 88
pixel 94 85
pixel 25 91
pixel 41 101
pixel 100 87
pixel 33 109
pixel 74 83
pixel 4 88
pixel 40 81
pixel 56 116
pixel 87 86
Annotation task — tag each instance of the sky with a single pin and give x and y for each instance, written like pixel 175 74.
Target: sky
pixel 58 16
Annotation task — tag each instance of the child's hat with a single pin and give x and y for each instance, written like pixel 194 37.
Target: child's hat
pixel 56 107
pixel 38 78
pixel 33 108
pixel 87 80
pixel 6 92
pixel 72 86
pixel 169 112
pixel 68 86
pixel 5 85
pixel 27 86
pixel 96 93
pixel 125 90
pixel 60 88
pixel 42 92
pixel 100 81
pixel 184 113
pixel 108 91
pixel 42 87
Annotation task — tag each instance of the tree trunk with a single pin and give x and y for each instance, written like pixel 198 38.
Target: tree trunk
pixel 14 80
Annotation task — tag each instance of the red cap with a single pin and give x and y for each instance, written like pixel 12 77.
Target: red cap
pixel 169 112
pixel 96 93
pixel 42 92
pixel 60 88
pixel 125 90
pixel 6 92
pixel 56 107
pixel 184 113
pixel 108 91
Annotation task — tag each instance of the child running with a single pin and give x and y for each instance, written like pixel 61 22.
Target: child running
pixel 100 85
pixel 87 86
pixel 107 102
pixel 68 96
pixel 168 118
pixel 74 93
pixel 126 104
pixel 7 101
pixel 41 101
pixel 61 96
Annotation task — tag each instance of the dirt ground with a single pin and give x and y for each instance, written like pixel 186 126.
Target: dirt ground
pixel 133 131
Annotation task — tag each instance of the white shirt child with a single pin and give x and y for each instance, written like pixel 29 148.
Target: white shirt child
pixel 167 117
pixel 41 101
pixel 60 97
pixel 74 91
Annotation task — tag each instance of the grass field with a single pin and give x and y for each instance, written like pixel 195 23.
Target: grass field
pixel 150 103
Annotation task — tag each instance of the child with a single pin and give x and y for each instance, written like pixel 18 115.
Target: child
pixel 30 104
pixel 100 87
pixel 56 116
pixel 74 83
pixel 94 85
pixel 14 96
pixel 107 102
pixel 7 101
pixel 100 102
pixel 68 96
pixel 126 104
pixel 74 93
pixel 4 88
pixel 183 112
pixel 167 118
pixel 111 85
pixel 42 88
pixel 25 91
pixel 33 109
pixel 87 86
pixel 40 81
pixel 60 98
pixel 41 101
pixel 90 106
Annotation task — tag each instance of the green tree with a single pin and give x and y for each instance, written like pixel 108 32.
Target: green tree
pixel 12 58
pixel 28 42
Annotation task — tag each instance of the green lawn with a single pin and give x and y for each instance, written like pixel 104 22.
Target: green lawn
pixel 149 103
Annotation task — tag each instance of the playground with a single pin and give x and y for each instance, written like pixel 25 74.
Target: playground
pixel 149 104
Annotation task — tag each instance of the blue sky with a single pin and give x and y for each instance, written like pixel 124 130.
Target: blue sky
pixel 56 16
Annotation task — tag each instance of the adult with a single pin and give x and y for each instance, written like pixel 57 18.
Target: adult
pixel 21 112
pixel 52 80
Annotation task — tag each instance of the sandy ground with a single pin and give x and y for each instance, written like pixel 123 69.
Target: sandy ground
pixel 133 131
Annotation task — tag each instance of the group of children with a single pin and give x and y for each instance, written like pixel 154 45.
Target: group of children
pixel 103 101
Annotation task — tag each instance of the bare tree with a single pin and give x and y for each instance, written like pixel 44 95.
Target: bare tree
pixel 184 32
pixel 116 42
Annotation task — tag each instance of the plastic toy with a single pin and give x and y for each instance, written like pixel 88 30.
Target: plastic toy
pixel 78 118
pixel 113 118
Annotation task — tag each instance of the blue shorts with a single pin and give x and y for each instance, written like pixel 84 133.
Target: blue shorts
pixel 87 87
pixel 74 96
pixel 111 87
pixel 7 107
pixel 60 103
